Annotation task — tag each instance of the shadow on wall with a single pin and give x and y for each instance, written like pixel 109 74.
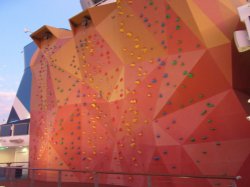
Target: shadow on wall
pixel 241 75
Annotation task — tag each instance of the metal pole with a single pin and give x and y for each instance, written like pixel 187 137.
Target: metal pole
pixel 96 184
pixel 32 177
pixel 149 181
pixel 234 184
pixel 59 182
pixel 10 174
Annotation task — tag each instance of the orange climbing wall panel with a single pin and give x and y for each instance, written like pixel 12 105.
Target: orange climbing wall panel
pixel 147 86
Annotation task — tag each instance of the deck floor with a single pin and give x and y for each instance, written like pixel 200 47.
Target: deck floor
pixel 26 183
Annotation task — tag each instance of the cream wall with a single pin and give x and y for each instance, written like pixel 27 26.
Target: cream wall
pixel 14 155
pixel 21 155
pixel 7 155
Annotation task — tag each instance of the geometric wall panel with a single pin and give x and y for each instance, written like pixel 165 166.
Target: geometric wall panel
pixel 142 86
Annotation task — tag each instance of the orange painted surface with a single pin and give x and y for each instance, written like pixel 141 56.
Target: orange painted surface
pixel 147 86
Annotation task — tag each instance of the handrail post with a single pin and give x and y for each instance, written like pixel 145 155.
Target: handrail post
pixel 149 181
pixel 234 183
pixel 59 182
pixel 96 182
pixel 9 174
pixel 31 173
pixel 12 174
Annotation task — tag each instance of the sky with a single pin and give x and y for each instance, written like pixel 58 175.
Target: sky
pixel 15 15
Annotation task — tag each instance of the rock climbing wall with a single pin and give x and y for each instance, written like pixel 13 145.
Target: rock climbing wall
pixel 141 86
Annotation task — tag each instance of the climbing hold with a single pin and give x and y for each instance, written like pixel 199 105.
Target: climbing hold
pixel 209 121
pixel 129 34
pixel 178 27
pixel 192 140
pixel 190 75
pixel 165 75
pixel 156 158
pixel 203 112
pixel 154 81
pixel 210 105
pixel 174 62
pixel 133 101
pixel 204 137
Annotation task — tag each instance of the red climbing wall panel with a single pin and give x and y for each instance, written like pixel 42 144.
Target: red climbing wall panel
pixel 147 86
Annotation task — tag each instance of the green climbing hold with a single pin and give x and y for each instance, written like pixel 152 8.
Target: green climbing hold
pixel 185 73
pixel 210 105
pixel 191 101
pixel 209 121
pixel 183 86
pixel 190 75
pixel 168 16
pixel 203 112
pixel 182 106
pixel 178 27
pixel 201 96
pixel 174 62
pixel 192 140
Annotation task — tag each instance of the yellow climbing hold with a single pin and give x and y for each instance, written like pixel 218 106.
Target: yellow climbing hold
pixel 93 105
pixel 132 145
pixel 137 82
pixel 129 34
pixel 134 120
pixel 132 64
pixel 133 101
pixel 137 46
pixel 144 50
pixel 135 112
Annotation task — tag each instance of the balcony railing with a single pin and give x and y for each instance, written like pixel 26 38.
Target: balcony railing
pixel 14 129
pixel 150 178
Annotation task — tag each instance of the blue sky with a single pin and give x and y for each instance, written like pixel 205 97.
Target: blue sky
pixel 15 15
